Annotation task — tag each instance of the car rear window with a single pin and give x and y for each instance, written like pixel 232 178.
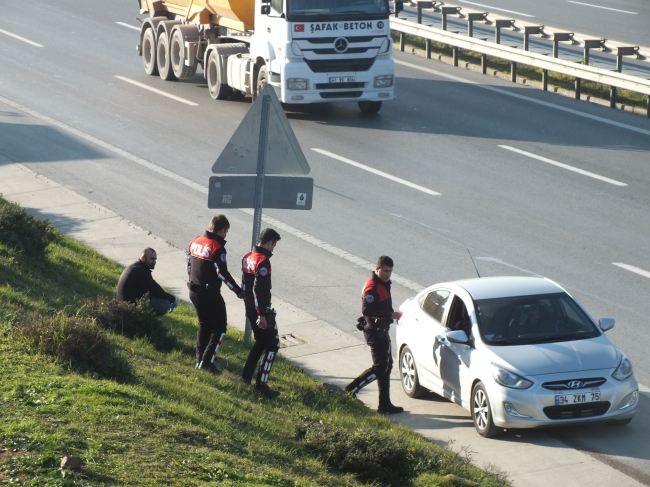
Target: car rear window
pixel 522 320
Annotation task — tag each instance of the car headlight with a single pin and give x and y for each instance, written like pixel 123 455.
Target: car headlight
pixel 383 81
pixel 509 379
pixel 297 84
pixel 624 369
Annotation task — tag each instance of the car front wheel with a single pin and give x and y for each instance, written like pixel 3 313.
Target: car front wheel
pixel 482 413
pixel 409 374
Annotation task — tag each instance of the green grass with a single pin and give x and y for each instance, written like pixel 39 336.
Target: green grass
pixel 596 90
pixel 168 424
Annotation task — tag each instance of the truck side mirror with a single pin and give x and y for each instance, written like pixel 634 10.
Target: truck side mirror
pixel 265 9
pixel 399 6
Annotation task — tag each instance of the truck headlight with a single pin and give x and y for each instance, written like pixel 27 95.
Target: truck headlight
pixel 624 369
pixel 383 81
pixel 297 84
pixel 509 379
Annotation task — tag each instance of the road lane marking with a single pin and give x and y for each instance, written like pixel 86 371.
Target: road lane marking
pixel 154 90
pixel 377 172
pixel 605 8
pixel 22 38
pixel 495 8
pixel 563 166
pixel 358 261
pixel 526 98
pixel 631 268
pixel 128 25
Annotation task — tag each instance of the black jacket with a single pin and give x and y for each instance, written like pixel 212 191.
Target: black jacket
pixel 376 301
pixel 136 281
pixel 207 264
pixel 256 278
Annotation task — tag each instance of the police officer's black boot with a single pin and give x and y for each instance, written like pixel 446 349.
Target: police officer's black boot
pixel 210 367
pixel 261 385
pixel 385 406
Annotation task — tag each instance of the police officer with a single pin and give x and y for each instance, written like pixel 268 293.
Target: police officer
pixel 256 281
pixel 378 314
pixel 207 269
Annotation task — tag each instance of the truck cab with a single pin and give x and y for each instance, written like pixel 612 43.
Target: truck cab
pixel 326 50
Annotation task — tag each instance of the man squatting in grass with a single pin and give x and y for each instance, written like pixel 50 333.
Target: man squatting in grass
pixel 136 281
pixel 256 281
pixel 207 268
pixel 378 314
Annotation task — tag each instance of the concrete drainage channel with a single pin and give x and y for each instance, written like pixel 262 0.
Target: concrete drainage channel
pixel 290 340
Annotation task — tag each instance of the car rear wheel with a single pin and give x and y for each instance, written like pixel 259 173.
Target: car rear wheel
pixel 409 374
pixel 482 413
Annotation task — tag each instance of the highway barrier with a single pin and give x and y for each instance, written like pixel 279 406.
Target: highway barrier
pixel 546 61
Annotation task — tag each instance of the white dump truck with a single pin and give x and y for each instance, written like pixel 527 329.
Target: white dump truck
pixel 310 51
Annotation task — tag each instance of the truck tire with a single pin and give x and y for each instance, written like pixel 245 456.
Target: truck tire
pixel 218 90
pixel 262 79
pixel 177 57
pixel 162 57
pixel 149 52
pixel 369 106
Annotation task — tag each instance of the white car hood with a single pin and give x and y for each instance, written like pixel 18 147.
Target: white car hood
pixel 554 358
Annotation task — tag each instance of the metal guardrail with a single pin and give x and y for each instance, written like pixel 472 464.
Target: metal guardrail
pixel 614 78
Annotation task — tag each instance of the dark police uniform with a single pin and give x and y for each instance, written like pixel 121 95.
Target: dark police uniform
pixel 377 310
pixel 256 281
pixel 207 269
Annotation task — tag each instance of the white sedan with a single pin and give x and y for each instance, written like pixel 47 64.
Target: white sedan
pixel 516 352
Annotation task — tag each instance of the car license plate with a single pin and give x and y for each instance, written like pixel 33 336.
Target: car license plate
pixel 342 79
pixel 565 399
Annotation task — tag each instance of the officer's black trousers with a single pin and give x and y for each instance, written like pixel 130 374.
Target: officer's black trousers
pixel 211 311
pixel 267 343
pixel 382 363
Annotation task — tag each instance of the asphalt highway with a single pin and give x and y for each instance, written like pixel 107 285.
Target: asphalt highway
pixel 529 182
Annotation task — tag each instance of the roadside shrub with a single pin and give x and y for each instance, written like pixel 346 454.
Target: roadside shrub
pixel 75 341
pixel 23 231
pixel 372 457
pixel 128 319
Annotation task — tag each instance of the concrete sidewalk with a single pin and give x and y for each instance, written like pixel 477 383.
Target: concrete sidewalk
pixel 530 458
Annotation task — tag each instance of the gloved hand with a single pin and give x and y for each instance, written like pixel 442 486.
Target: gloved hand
pixel 173 306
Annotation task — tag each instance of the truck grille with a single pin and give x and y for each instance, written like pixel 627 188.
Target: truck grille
pixel 577 410
pixel 340 94
pixel 330 52
pixel 339 65
pixel 335 86
pixel 565 385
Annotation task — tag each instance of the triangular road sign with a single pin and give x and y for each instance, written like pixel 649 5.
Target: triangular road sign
pixel 284 155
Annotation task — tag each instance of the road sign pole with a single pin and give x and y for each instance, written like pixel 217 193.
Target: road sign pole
pixel 259 187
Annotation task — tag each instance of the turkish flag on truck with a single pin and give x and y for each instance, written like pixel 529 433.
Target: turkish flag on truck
pixel 299 27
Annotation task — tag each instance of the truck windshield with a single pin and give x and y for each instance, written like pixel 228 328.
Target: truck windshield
pixel 335 10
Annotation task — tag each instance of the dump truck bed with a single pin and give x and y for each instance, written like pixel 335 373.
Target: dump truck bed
pixel 237 14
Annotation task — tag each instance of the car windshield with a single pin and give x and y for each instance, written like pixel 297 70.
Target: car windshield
pixel 524 320
pixel 337 10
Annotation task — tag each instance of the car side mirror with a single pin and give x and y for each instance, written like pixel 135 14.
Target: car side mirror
pixel 606 323
pixel 457 336
pixel 265 9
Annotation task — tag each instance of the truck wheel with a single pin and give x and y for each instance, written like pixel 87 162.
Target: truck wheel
pixel 262 79
pixel 177 57
pixel 162 57
pixel 149 52
pixel 218 90
pixel 369 106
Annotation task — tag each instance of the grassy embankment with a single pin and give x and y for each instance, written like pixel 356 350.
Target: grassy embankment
pixel 146 417
pixel 596 90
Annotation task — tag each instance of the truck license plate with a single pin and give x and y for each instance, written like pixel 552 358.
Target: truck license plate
pixel 564 399
pixel 342 79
